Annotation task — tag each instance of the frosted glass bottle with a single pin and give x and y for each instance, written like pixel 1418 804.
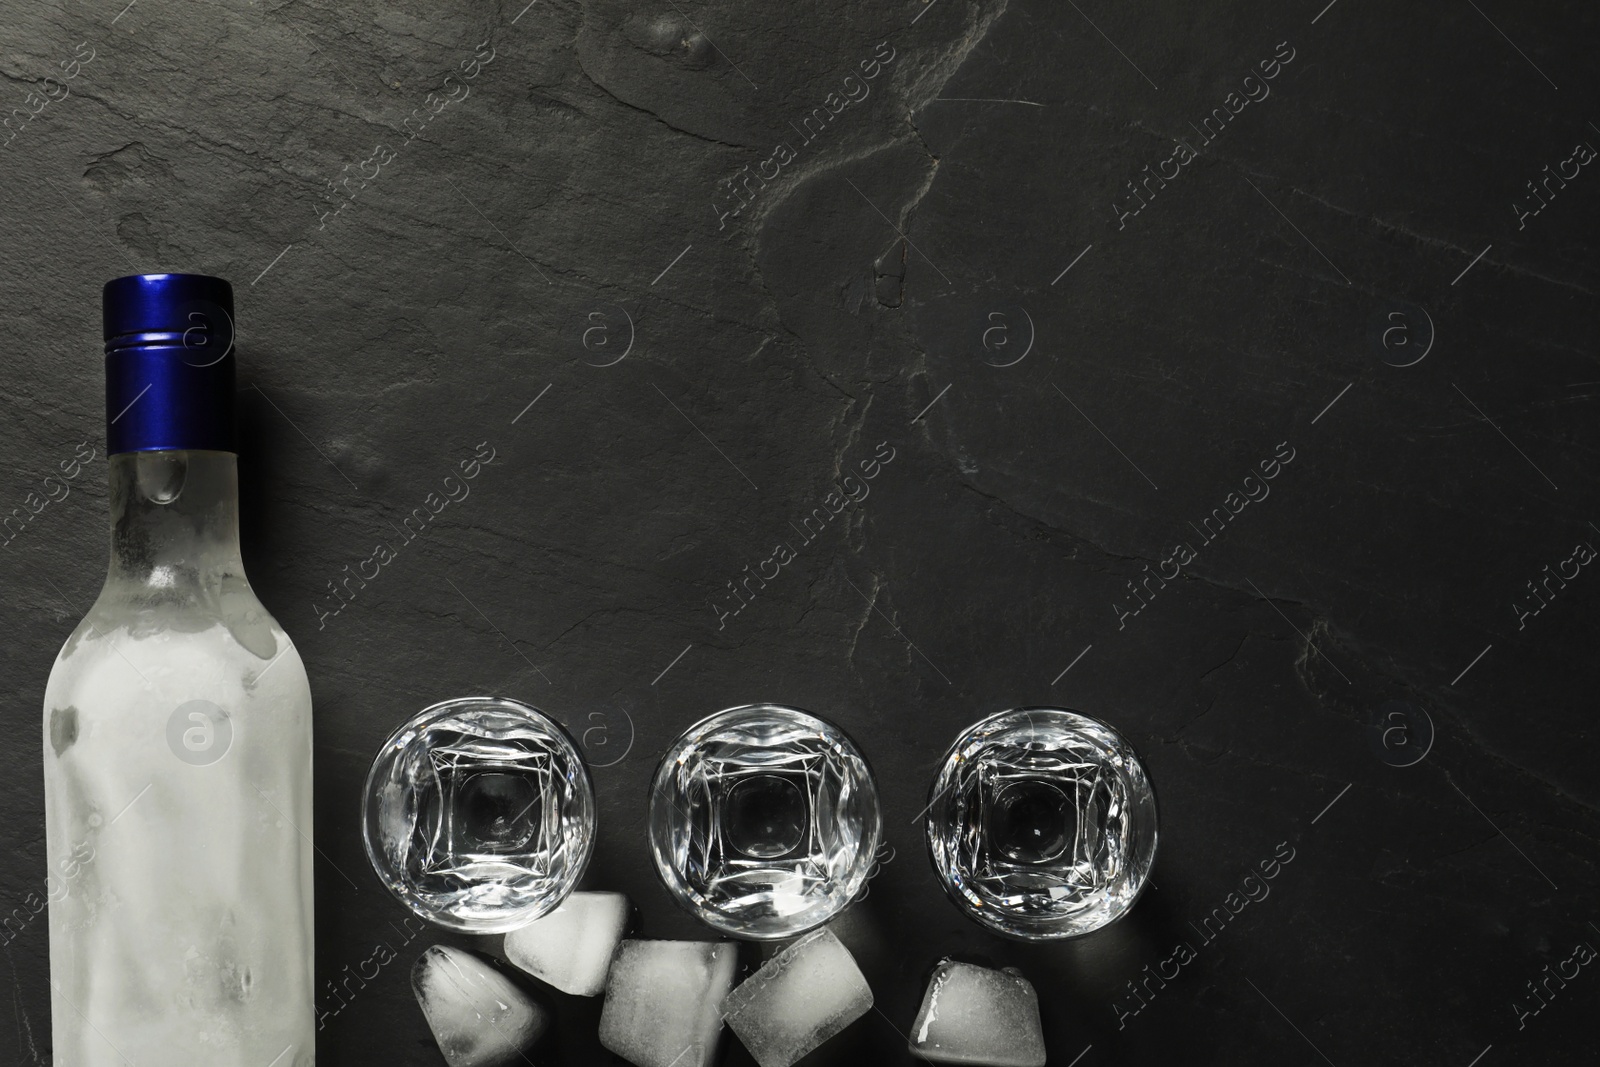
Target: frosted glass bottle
pixel 177 755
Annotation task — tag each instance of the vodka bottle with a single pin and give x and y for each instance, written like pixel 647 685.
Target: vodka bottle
pixel 177 735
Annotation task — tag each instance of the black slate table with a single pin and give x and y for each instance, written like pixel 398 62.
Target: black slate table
pixel 1083 272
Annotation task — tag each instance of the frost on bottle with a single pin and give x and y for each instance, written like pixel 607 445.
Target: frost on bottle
pixel 177 735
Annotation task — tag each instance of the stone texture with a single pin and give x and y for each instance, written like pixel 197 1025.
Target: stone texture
pixel 513 249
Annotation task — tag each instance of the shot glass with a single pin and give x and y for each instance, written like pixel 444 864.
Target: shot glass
pixel 479 815
pixel 1042 824
pixel 764 821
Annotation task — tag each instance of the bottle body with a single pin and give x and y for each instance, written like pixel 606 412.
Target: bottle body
pixel 177 754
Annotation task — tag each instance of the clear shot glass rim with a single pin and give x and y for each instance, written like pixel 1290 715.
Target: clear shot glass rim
pixel 678 889
pixel 965 737
pixel 428 716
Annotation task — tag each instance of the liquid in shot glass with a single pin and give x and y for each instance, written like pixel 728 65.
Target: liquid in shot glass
pixel 479 814
pixel 1042 824
pixel 764 820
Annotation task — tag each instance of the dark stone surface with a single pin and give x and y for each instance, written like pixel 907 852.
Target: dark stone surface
pixel 577 186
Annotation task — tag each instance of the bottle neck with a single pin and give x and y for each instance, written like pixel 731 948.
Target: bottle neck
pixel 174 524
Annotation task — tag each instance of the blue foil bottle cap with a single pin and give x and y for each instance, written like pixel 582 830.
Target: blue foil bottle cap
pixel 169 363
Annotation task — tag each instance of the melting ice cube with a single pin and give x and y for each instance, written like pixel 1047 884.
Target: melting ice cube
pixel 664 1001
pixel 977 1015
pixel 478 1017
pixel 798 999
pixel 571 948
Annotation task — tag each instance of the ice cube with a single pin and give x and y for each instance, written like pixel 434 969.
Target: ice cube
pixel 478 1017
pixel 798 999
pixel 571 948
pixel 664 1001
pixel 976 1015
